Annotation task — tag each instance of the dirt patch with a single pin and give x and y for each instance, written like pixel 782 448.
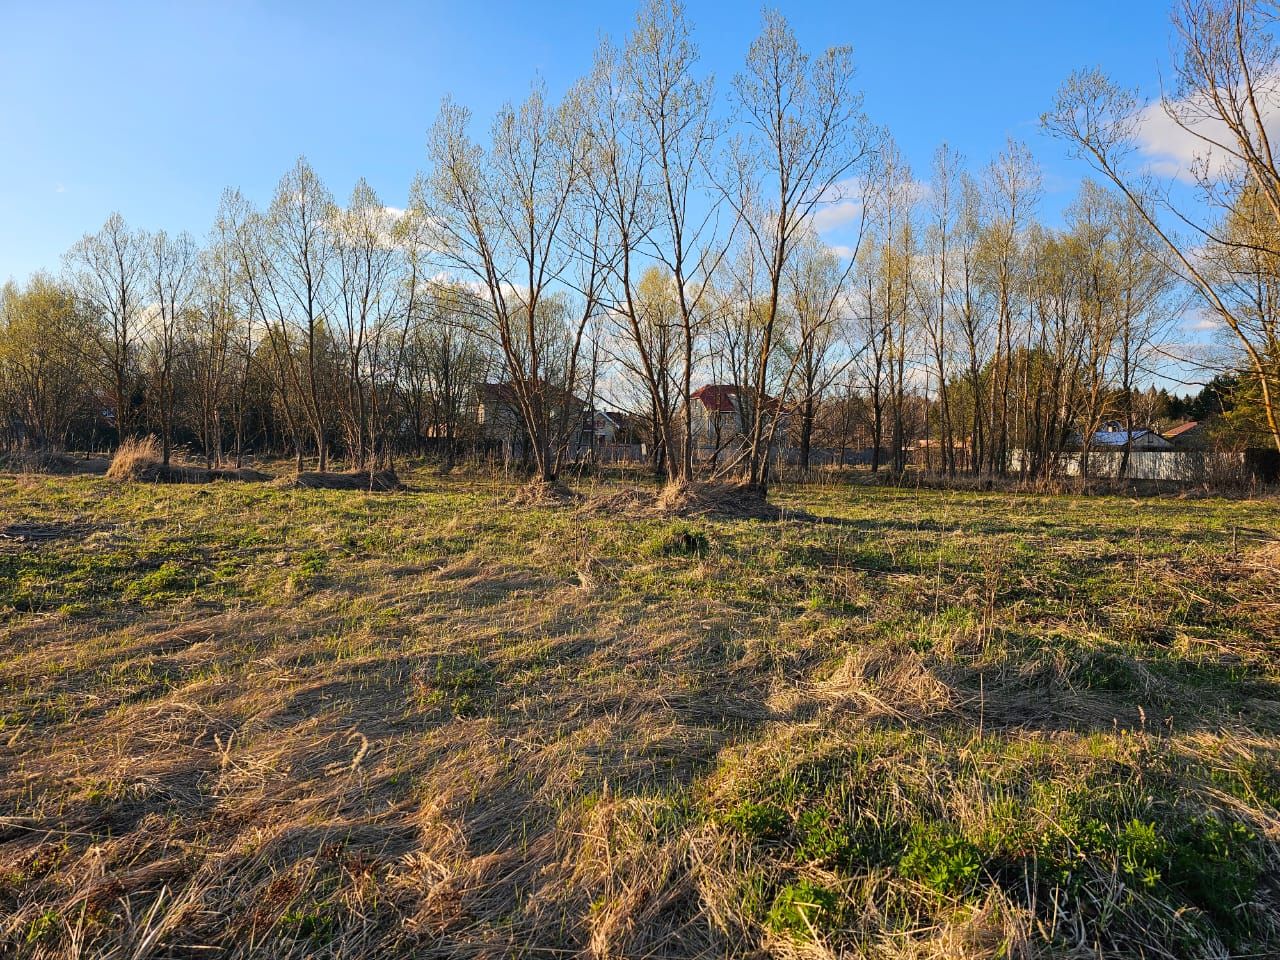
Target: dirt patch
pixel 378 481
pixel 61 464
pixel 36 533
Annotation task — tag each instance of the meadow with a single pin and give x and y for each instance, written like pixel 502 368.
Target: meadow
pixel 249 721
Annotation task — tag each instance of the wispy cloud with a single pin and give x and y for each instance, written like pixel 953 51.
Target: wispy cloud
pixel 1182 150
pixel 841 204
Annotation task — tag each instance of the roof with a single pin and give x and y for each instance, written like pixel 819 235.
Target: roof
pixel 722 398
pixel 717 397
pixel 1180 429
pixel 505 393
pixel 1118 438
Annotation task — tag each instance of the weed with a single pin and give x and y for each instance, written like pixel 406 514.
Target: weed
pixel 941 859
pixel 804 910
pixel 677 540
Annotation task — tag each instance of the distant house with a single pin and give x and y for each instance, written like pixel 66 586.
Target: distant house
pixel 715 413
pixel 719 420
pixel 500 420
pixel 1191 435
pixel 604 428
pixel 1113 436
pixel 628 428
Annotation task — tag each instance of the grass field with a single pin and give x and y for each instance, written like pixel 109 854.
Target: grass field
pixel 288 723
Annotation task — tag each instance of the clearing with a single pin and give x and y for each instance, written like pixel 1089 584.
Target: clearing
pixel 304 722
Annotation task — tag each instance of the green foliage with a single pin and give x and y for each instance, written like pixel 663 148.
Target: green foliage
pixel 169 581
pixel 461 682
pixel 804 910
pixel 1217 865
pixel 1107 671
pixel 758 821
pixel 307 569
pixel 677 540
pixel 313 924
pixel 44 929
pixel 821 837
pixel 941 858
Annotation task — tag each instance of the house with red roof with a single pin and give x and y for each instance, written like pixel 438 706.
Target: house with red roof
pixel 1191 435
pixel 721 418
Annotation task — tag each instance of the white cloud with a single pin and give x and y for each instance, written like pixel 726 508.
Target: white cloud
pixel 839 206
pixel 847 201
pixel 1200 320
pixel 1180 151
pixel 837 215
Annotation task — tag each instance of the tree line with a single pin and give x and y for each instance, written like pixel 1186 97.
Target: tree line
pixel 650 232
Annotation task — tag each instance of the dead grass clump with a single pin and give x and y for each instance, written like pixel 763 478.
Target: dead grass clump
pixel 180 473
pixel 378 481
pixel 626 502
pixel 543 493
pixel 736 501
pixel 134 458
pixel 139 461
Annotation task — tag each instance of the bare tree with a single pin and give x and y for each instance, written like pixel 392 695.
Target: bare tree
pixel 502 218
pixel 171 267
pixel 805 133
pixel 291 285
pixel 107 269
pixel 816 292
pixel 1012 189
pixel 674 120
pixel 366 256
pixel 934 296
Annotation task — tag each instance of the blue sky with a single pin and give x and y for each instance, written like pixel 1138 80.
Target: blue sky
pixel 152 109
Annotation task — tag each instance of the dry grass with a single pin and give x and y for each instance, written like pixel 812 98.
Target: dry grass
pixel 543 493
pixel 139 461
pixel 135 458
pixel 268 722
pixel 714 500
